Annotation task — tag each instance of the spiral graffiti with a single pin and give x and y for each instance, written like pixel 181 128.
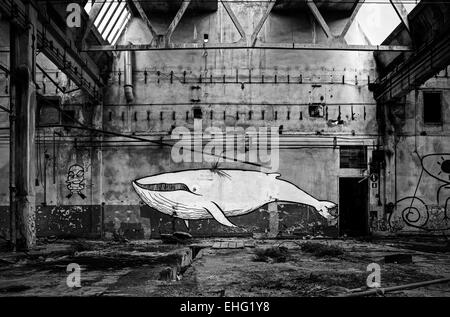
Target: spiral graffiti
pixel 413 211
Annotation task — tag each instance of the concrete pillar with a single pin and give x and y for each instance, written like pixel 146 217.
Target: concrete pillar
pixel 390 149
pixel 273 219
pixel 23 48
pixel 390 171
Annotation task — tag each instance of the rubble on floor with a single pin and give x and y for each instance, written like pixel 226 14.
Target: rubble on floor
pixel 220 267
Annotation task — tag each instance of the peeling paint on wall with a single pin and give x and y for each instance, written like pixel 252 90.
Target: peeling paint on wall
pixel 68 221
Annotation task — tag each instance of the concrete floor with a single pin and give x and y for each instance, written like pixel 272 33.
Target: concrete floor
pixel 204 268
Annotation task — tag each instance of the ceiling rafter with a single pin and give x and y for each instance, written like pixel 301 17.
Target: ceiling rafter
pixel 95 10
pixel 260 24
pixel 432 57
pixel 351 19
pixel 173 25
pixel 319 18
pixel 234 19
pixel 163 41
pixel 145 18
pixel 401 12
pixel 55 44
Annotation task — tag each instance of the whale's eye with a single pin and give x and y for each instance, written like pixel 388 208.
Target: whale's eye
pixel 195 188
pixel 445 166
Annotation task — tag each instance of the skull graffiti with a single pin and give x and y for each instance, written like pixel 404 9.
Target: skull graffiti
pixel 75 181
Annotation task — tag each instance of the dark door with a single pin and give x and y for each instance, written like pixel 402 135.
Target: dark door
pixel 353 204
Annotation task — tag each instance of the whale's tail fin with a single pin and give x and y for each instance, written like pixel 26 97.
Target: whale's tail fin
pixel 324 208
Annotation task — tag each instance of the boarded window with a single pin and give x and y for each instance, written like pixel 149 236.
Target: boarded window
pixel 353 157
pixel 432 107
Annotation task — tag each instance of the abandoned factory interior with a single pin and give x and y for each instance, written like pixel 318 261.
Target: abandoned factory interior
pixel 224 148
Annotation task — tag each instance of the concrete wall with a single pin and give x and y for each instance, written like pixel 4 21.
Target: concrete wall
pixel 238 88
pixel 415 170
pixel 233 88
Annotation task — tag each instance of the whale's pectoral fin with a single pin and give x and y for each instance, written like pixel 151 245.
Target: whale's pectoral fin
pixel 186 222
pixel 218 214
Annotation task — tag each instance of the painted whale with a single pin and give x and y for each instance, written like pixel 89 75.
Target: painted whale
pixel 221 193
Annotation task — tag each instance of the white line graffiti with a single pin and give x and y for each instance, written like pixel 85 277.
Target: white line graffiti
pixel 220 193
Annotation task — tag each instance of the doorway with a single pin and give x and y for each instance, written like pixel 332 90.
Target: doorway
pixel 353 206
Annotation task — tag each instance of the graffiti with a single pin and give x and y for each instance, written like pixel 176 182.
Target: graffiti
pixel 75 181
pixel 220 193
pixel 414 211
pixel 391 225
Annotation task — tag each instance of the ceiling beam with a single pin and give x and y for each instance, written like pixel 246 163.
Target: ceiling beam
pixel 58 46
pixel 173 25
pixel 333 46
pixel 50 78
pixel 351 19
pixel 145 18
pixel 414 71
pixel 85 32
pixel 319 18
pixel 261 22
pixel 234 19
pixel 95 10
pixel 401 12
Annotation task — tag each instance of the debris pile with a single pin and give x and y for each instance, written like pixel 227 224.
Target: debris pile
pixel 272 254
pixel 321 250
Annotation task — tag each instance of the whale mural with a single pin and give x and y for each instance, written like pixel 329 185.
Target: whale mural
pixel 220 193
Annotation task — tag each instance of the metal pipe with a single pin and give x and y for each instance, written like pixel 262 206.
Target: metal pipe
pixel 12 140
pixel 243 46
pixel 128 71
pixel 396 288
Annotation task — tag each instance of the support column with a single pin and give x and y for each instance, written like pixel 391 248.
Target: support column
pixel 23 92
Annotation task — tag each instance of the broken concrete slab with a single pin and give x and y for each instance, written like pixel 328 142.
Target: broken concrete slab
pixel 137 269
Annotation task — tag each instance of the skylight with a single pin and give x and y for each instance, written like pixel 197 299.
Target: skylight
pixel 111 19
pixel 378 18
